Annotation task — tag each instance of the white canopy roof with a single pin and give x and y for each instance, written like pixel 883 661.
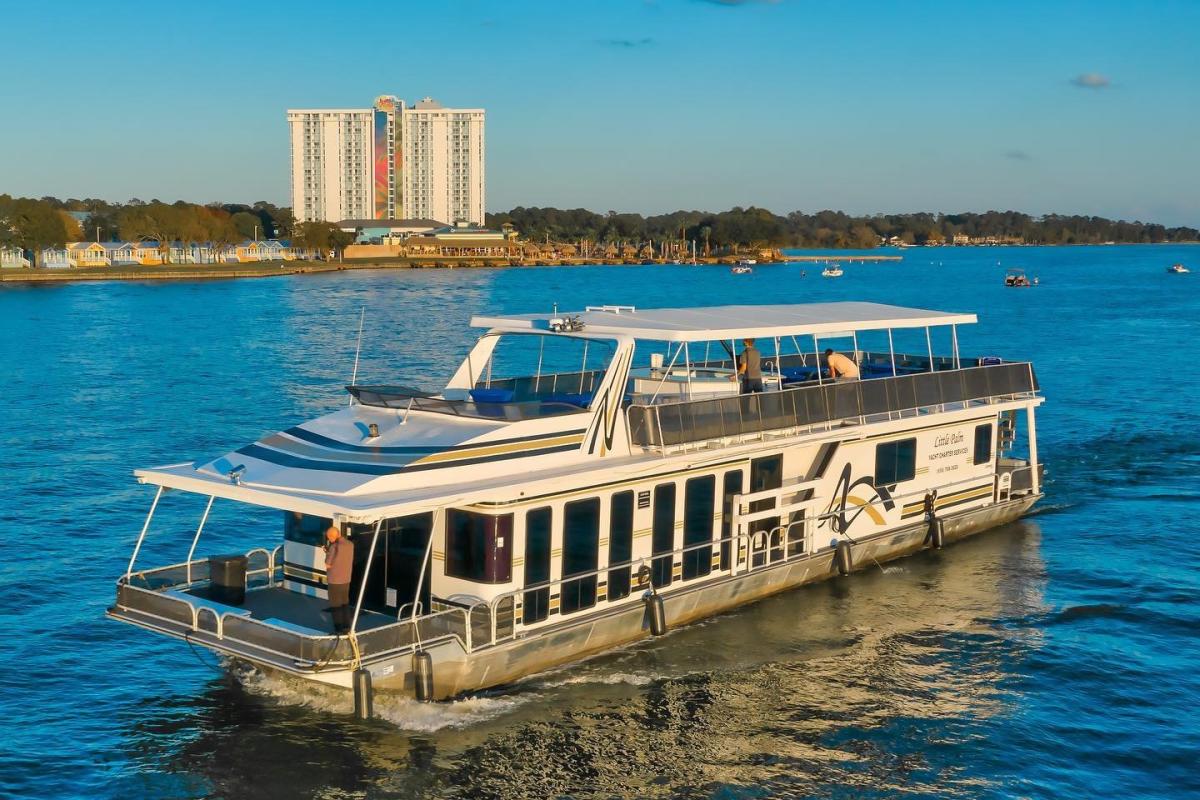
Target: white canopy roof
pixel 703 324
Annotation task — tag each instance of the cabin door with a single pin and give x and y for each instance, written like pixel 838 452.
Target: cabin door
pixel 396 567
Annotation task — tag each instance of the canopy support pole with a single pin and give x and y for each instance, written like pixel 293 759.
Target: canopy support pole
pixel 687 365
pixel 362 590
pixel 537 379
pixel 196 538
pixel 142 535
pixel 666 373
pixel 817 352
pixel 954 345
pixel 929 347
pixel 892 352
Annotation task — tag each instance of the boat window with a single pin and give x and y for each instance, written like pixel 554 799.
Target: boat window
pixel 895 462
pixel 698 497
pixel 478 546
pixel 581 553
pixel 620 543
pixel 732 487
pixel 983 443
pixel 537 564
pixel 305 528
pixel 663 537
pixel 551 368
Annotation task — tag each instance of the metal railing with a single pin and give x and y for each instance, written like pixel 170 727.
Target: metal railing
pixel 668 425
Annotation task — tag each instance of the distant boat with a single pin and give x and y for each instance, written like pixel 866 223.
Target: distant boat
pixel 742 269
pixel 832 271
pixel 1178 269
pixel 746 262
pixel 1016 277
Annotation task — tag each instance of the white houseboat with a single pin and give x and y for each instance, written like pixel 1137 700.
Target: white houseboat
pixel 585 480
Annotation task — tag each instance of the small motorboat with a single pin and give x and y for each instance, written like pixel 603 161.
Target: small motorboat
pixel 747 262
pixel 832 271
pixel 1016 277
pixel 742 269
pixel 1178 269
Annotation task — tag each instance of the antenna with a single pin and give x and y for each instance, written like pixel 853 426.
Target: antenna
pixel 357 349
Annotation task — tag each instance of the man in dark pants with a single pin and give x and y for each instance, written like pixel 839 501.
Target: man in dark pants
pixel 750 368
pixel 339 564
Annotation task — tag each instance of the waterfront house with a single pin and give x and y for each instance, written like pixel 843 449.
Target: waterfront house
pixel 54 258
pixel 120 254
pixel 87 254
pixel 13 258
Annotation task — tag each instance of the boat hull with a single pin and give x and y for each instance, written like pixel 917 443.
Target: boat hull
pixel 457 672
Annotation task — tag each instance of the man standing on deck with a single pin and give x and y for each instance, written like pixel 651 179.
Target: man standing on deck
pixel 339 563
pixel 840 367
pixel 750 368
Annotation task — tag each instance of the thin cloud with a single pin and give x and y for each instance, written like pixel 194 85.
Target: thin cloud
pixel 1018 155
pixel 627 44
pixel 1091 80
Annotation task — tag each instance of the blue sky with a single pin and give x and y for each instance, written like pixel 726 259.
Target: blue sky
pixel 649 106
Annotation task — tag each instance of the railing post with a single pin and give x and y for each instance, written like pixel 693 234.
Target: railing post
pixel 196 538
pixel 142 535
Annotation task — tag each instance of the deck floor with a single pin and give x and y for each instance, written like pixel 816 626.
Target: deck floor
pixel 299 610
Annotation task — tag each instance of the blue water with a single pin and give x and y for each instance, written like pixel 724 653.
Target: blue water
pixel 1057 657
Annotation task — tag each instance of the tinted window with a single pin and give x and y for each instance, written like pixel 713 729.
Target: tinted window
pixel 663 538
pixel 698 497
pixel 305 528
pixel 478 546
pixel 581 553
pixel 620 543
pixel 983 443
pixel 537 564
pixel 895 462
pixel 732 486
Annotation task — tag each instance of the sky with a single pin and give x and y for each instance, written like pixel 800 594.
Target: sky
pixel 630 105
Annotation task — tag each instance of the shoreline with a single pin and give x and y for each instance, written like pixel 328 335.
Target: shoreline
pixel 184 272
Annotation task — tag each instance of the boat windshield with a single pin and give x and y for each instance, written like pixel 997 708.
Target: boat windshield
pixel 513 376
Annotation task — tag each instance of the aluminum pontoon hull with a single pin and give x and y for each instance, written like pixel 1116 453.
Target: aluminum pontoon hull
pixel 457 672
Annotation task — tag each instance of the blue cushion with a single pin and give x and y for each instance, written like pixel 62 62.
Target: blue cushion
pixel 583 400
pixel 492 395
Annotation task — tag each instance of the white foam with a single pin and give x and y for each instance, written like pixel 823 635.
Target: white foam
pixel 401 711
pixel 609 678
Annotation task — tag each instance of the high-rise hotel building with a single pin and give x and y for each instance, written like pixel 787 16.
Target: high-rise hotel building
pixel 388 162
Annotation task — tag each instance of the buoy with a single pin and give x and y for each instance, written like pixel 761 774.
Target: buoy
pixel 843 558
pixel 422 667
pixel 937 533
pixel 363 696
pixel 657 613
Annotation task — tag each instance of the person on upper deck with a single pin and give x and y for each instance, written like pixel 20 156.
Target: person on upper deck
pixel 840 367
pixel 750 368
pixel 339 564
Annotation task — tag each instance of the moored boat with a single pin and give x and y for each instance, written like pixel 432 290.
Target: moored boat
pixel 1178 269
pixel 742 270
pixel 586 480
pixel 832 271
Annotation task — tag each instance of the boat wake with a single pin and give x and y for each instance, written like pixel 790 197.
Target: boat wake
pixel 398 710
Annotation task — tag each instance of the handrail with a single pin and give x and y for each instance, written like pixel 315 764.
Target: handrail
pixel 816 406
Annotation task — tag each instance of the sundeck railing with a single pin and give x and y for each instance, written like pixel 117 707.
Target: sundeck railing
pixel 674 424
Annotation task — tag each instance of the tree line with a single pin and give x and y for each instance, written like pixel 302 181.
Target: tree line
pixel 758 227
pixel 33 224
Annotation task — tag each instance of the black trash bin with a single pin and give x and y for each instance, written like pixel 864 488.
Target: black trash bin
pixel 228 579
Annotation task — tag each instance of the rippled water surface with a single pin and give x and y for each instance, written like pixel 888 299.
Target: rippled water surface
pixel 1057 657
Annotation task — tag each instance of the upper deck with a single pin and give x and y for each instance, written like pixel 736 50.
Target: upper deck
pixel 543 396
